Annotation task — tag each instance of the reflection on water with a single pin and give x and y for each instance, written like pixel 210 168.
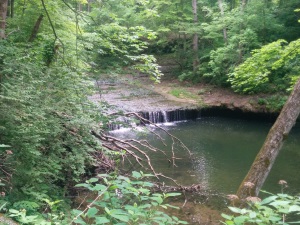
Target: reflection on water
pixel 223 151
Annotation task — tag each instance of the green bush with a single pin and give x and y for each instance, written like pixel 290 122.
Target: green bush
pixel 273 103
pixel 275 209
pixel 120 200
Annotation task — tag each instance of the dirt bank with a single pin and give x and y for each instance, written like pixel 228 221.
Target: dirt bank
pixel 138 93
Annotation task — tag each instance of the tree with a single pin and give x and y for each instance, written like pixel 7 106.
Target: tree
pixel 49 143
pixel 272 145
pixel 272 68
pixel 3 13
pixel 36 28
pixel 221 7
pixel 195 38
pixel 263 63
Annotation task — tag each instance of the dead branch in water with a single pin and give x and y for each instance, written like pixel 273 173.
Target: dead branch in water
pixel 195 188
pixel 134 148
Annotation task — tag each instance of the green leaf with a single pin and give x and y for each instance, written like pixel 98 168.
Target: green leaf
pixel 172 206
pixel 99 187
pixel 284 196
pixel 136 174
pixel 93 180
pixel 4 146
pixel 240 220
pixel 83 185
pixel 28 219
pixel 280 203
pixel 227 217
pixel 147 184
pixel 3 205
pixel 274 218
pixel 243 211
pixel 172 194
pixel 252 215
pixel 235 210
pixel 294 208
pixel 80 221
pixel 14 211
pixel 268 200
pixel 91 212
pixel 107 210
pixel 113 187
pixel 122 217
pixel 158 199
pixel 102 220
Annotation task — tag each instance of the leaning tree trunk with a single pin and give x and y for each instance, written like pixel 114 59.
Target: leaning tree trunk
pixel 273 143
pixel 196 38
pixel 36 28
pixel 3 12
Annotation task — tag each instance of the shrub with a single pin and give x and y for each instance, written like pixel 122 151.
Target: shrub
pixel 275 209
pixel 121 200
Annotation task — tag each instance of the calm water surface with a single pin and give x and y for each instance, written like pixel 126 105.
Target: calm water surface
pixel 223 151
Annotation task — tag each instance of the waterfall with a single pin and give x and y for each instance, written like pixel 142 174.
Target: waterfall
pixel 166 116
pixel 171 115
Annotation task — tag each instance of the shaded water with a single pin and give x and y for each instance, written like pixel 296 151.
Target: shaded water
pixel 223 151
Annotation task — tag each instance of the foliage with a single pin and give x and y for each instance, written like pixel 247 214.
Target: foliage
pixel 273 103
pixel 275 209
pixel 49 136
pixel 121 200
pixel 255 24
pixel 115 43
pixel 241 38
pixel 270 68
pixel 53 216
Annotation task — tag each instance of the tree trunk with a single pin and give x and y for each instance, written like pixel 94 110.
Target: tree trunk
pixel 36 28
pixel 89 6
pixel 12 8
pixel 240 44
pixel 8 8
pixel 243 4
pixel 273 143
pixel 220 4
pixel 3 12
pixel 24 7
pixel 196 38
pixel 79 7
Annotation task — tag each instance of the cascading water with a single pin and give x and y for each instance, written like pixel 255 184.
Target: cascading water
pixel 165 116
pixel 171 116
pixel 156 117
pixel 177 115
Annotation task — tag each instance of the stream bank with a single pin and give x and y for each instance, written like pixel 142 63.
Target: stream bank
pixel 137 93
